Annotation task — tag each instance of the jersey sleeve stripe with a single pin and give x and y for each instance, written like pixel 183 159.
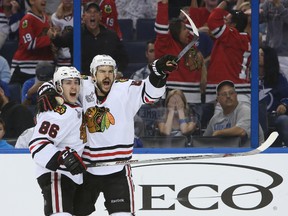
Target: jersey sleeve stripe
pixel 108 154
pixel 37 145
pixel 218 31
pixel 109 148
pixel 161 29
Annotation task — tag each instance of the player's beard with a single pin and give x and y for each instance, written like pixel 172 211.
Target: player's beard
pixel 101 89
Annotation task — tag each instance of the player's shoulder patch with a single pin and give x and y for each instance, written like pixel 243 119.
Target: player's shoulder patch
pixel 25 24
pixel 60 109
pixel 121 80
pixel 84 77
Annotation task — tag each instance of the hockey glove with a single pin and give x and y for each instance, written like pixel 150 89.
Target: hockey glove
pixel 163 66
pixel 48 98
pixel 72 161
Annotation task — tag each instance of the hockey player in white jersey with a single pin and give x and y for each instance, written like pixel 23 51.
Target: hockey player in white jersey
pixel 56 146
pixel 108 126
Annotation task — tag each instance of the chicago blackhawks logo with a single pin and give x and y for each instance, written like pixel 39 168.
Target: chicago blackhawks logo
pixel 193 59
pixel 25 24
pixel 108 9
pixel 98 119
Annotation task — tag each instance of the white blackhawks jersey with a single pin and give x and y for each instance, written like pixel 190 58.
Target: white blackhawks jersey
pixel 110 124
pixel 53 132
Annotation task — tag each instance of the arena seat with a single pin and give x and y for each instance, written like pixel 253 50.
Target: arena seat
pixel 204 114
pixel 205 44
pixel 33 109
pixel 164 141
pixel 135 51
pixel 126 27
pixel 11 141
pixel 15 92
pixel 8 50
pixel 215 142
pixel 264 118
pixel 145 29
pixel 149 114
pixel 131 68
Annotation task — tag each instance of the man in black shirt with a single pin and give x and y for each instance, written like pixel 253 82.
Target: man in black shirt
pixel 96 39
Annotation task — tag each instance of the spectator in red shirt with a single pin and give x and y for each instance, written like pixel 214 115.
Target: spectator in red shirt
pixel 200 15
pixel 171 38
pixel 230 56
pixel 34 43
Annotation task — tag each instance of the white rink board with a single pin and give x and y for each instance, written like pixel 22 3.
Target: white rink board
pixel 254 185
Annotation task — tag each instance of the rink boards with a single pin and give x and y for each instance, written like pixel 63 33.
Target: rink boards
pixel 252 185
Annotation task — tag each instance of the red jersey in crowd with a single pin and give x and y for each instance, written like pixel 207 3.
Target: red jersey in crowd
pixel 230 56
pixel 34 44
pixel 199 16
pixel 184 78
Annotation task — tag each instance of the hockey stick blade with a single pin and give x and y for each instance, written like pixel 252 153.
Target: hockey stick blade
pixel 195 37
pixel 270 140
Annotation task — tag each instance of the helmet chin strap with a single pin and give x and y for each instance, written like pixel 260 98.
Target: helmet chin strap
pixel 61 92
pixel 59 89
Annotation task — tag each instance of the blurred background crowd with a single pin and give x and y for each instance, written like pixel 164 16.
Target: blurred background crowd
pixel 208 101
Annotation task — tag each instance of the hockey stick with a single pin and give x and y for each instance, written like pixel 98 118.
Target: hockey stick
pixel 194 40
pixel 270 140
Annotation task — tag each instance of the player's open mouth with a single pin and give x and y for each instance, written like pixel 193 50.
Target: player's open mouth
pixel 72 94
pixel 106 82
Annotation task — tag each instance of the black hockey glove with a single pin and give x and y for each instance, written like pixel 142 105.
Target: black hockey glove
pixel 48 98
pixel 72 161
pixel 163 66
